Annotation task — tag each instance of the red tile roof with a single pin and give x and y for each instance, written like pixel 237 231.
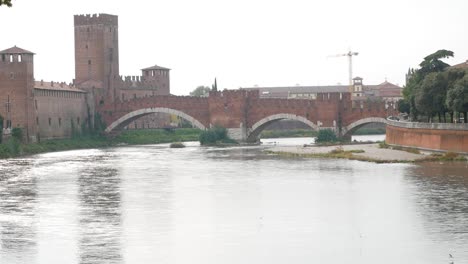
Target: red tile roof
pixel 463 65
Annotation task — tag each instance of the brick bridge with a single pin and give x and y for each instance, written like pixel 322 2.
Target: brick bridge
pixel 245 114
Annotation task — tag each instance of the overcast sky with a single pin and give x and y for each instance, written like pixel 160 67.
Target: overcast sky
pixel 247 42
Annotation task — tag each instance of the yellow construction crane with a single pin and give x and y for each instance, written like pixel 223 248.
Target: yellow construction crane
pixel 350 55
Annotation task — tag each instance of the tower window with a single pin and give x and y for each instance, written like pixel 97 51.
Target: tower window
pixel 89 62
pixel 19 58
pixel 50 121
pixel 37 120
pixel 86 46
pixel 60 121
pixel 3 57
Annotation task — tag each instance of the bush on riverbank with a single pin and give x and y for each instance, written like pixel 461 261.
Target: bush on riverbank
pixel 326 136
pixel 215 136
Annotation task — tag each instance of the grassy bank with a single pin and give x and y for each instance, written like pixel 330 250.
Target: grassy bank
pixel 12 148
pixel 310 133
pixel 370 131
pixel 288 133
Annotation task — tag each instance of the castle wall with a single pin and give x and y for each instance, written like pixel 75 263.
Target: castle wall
pixel 60 112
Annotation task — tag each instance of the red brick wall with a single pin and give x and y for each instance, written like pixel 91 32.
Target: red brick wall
pixel 97 50
pixel 435 139
pixel 16 83
pixel 62 108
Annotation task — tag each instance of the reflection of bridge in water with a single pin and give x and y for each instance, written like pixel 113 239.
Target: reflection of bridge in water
pixel 245 114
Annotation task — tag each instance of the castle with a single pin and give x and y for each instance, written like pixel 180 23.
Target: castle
pixel 47 109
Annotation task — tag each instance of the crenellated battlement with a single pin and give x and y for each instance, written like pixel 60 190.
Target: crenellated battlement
pixel 96 19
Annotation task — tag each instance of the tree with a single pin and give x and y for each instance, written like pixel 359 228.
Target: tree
pixel 433 63
pixel 416 77
pixel 430 98
pixel 5 2
pixel 457 97
pixel 200 91
pixel 403 106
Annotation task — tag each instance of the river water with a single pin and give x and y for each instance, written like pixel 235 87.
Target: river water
pixel 153 204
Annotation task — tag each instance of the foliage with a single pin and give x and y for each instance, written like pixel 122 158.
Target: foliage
pixel 434 90
pixel 457 97
pixel 99 124
pixel 177 145
pixel 1 128
pixel 6 2
pixel 17 133
pixel 430 98
pixel 404 106
pixel 155 136
pixel 326 135
pixel 13 147
pixel 433 63
pixel 215 135
pixel 288 133
pixel 200 91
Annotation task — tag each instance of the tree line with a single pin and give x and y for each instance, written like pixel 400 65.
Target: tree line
pixel 435 91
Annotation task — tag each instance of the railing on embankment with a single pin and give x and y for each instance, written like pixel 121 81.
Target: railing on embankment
pixel 430 136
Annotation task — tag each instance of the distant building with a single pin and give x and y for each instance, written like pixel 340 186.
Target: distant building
pixel 385 91
pixel 463 65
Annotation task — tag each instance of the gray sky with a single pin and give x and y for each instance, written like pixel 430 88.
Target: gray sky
pixel 245 43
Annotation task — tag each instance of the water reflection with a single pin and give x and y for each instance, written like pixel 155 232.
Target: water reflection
pixel 99 215
pixel 18 193
pixel 441 195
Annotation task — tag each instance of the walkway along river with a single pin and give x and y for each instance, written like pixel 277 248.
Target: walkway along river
pixel 153 204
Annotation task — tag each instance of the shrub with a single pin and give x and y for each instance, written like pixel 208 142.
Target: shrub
pixel 326 135
pixel 17 133
pixel 214 136
pixel 177 145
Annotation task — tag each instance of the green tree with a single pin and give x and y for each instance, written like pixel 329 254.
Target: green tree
pixel 5 2
pixel 430 98
pixel 412 91
pixel 457 97
pixel 403 106
pixel 200 91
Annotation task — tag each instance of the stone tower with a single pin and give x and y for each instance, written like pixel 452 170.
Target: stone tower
pixel 17 104
pixel 97 54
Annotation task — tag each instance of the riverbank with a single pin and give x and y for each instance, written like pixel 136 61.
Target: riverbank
pixel 11 149
pixel 289 133
pixel 364 152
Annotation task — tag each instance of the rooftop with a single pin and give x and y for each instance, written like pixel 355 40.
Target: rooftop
pixel 155 67
pixel 463 65
pixel 56 86
pixel 15 50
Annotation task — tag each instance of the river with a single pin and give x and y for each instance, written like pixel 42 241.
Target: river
pixel 153 204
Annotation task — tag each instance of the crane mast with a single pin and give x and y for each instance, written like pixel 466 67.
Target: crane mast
pixel 350 55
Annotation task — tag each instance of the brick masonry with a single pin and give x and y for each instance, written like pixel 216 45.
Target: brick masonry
pixel 245 114
pixel 439 137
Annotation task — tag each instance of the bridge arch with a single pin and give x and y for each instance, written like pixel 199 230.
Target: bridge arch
pixel 348 131
pixel 260 125
pixel 130 117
